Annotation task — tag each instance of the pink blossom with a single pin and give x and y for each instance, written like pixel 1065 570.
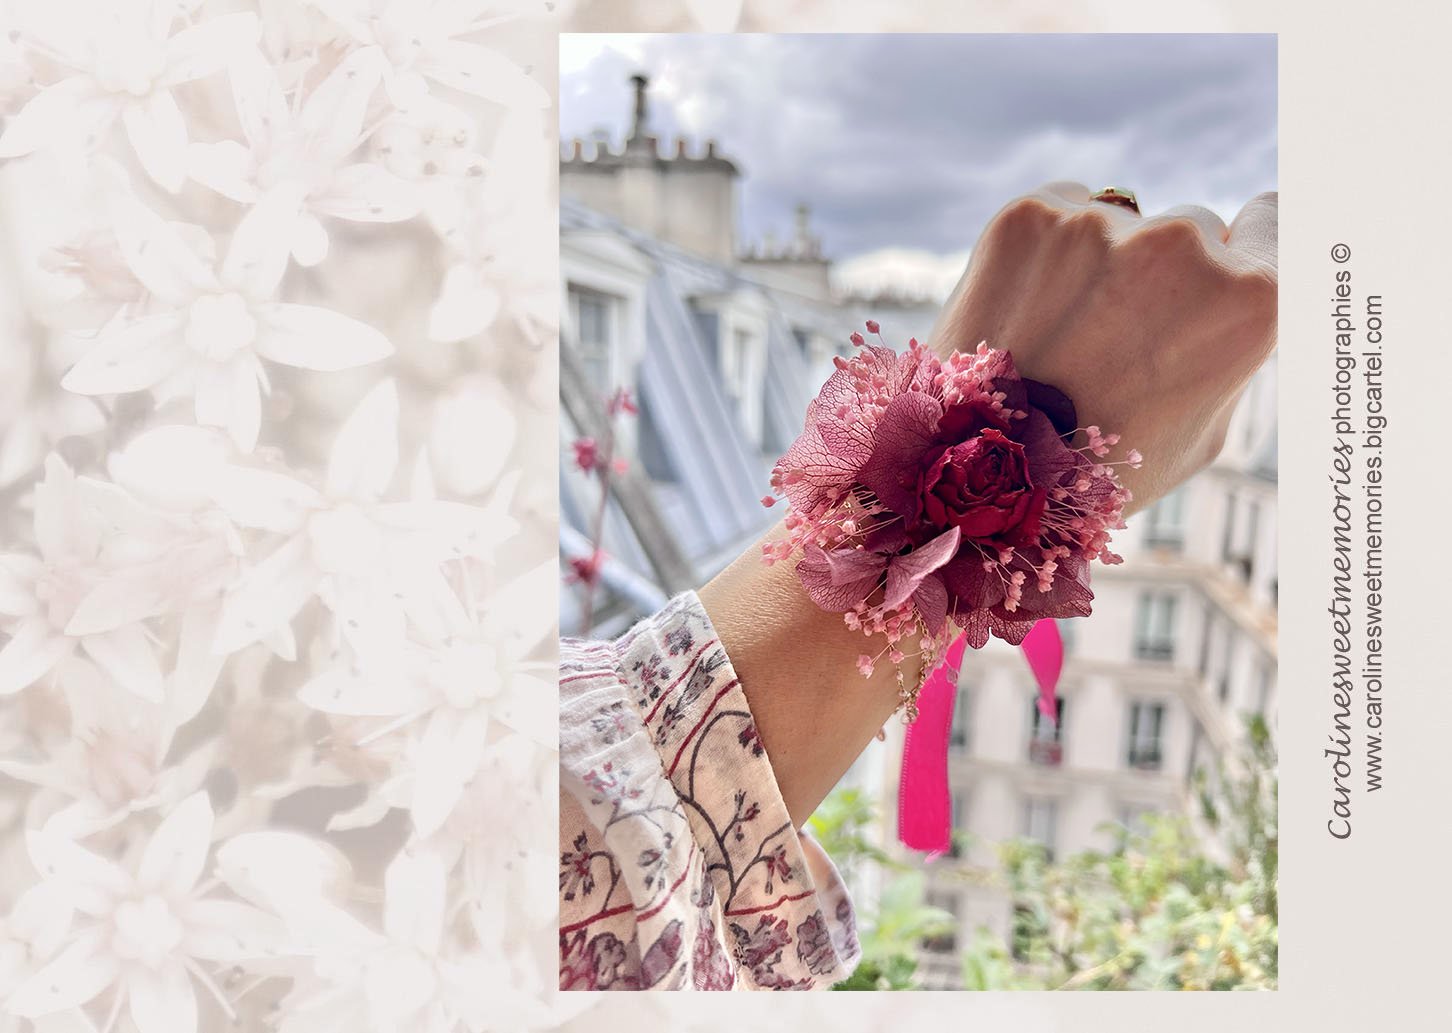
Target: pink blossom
pixel 587 454
pixel 621 402
pixel 585 570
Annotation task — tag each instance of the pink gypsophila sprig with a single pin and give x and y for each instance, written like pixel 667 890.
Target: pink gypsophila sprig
pixel 924 491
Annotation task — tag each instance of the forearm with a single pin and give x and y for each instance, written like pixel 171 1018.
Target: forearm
pixel 814 710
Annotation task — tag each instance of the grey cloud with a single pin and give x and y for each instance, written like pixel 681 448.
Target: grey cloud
pixel 916 140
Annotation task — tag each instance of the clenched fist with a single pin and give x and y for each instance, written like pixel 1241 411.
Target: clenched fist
pixel 1152 325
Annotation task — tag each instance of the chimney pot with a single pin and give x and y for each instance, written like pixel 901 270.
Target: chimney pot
pixel 641 83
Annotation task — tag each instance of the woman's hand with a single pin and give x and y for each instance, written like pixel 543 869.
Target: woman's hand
pixel 1152 325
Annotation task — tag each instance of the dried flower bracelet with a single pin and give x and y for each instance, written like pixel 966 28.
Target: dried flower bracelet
pixel 926 494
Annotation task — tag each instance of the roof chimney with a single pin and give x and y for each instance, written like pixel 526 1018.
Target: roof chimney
pixel 637 128
pixel 802 243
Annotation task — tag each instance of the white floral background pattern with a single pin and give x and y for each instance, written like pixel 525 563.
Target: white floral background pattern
pixel 277 561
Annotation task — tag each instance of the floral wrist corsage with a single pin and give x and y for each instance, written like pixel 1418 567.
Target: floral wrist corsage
pixel 926 494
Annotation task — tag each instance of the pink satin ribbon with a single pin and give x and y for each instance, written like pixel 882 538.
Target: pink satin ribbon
pixel 924 807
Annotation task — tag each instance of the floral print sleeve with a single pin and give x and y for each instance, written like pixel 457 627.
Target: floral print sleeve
pixel 680 868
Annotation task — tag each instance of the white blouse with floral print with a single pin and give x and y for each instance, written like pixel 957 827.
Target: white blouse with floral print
pixel 680 868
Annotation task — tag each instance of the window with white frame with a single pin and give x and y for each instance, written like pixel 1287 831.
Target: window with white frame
pixel 945 942
pixel 1267 684
pixel 595 316
pixel 1046 737
pixel 958 735
pixel 742 362
pixel 1227 664
pixel 1242 527
pixel 1154 629
pixel 1146 731
pixel 1165 522
pixel 1041 821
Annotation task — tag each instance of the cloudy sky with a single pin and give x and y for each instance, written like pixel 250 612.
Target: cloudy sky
pixel 905 145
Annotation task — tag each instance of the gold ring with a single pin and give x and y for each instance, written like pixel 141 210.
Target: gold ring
pixel 1117 195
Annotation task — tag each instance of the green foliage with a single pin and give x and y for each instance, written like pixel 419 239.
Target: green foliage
pixel 1153 914
pixel 842 824
pixel 1160 910
pixel 890 936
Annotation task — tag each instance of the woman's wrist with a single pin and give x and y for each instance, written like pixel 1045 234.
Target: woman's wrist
pixel 813 709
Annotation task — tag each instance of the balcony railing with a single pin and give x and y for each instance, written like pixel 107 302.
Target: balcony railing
pixel 1046 753
pixel 1146 759
pixel 1154 649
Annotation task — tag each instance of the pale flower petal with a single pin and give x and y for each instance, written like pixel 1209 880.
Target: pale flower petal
pixel 129 357
pixel 367 192
pixel 72 978
pixel 224 930
pixel 159 136
pixel 197 667
pixel 220 325
pixel 172 467
pixel 466 305
pixel 309 240
pixel 524 608
pixel 271 868
pixel 264 499
pixel 125 654
pixel 18 574
pixel 226 167
pixel 365 452
pixel 42 915
pixel 267 595
pixel 261 105
pixel 31 653
pixel 177 851
pixel 483 72
pixel 57 112
pixel 156 253
pixel 312 337
pixel 228 396
pixel 118 600
pixel 470 438
pixel 162 1000
pixel 332 116
pixel 427 598
pixel 413 901
pixel 530 706
pixel 208 47
pixel 369 693
pixel 446 759
pixel 94 883
pixel 258 255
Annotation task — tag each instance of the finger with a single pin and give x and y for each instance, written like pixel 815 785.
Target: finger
pixel 1253 232
pixel 1064 191
pixel 1211 225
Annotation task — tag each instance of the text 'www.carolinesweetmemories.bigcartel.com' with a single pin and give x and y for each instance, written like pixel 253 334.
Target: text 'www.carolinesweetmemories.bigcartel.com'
pixel 1359 432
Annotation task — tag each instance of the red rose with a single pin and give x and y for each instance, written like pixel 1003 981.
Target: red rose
pixel 982 487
